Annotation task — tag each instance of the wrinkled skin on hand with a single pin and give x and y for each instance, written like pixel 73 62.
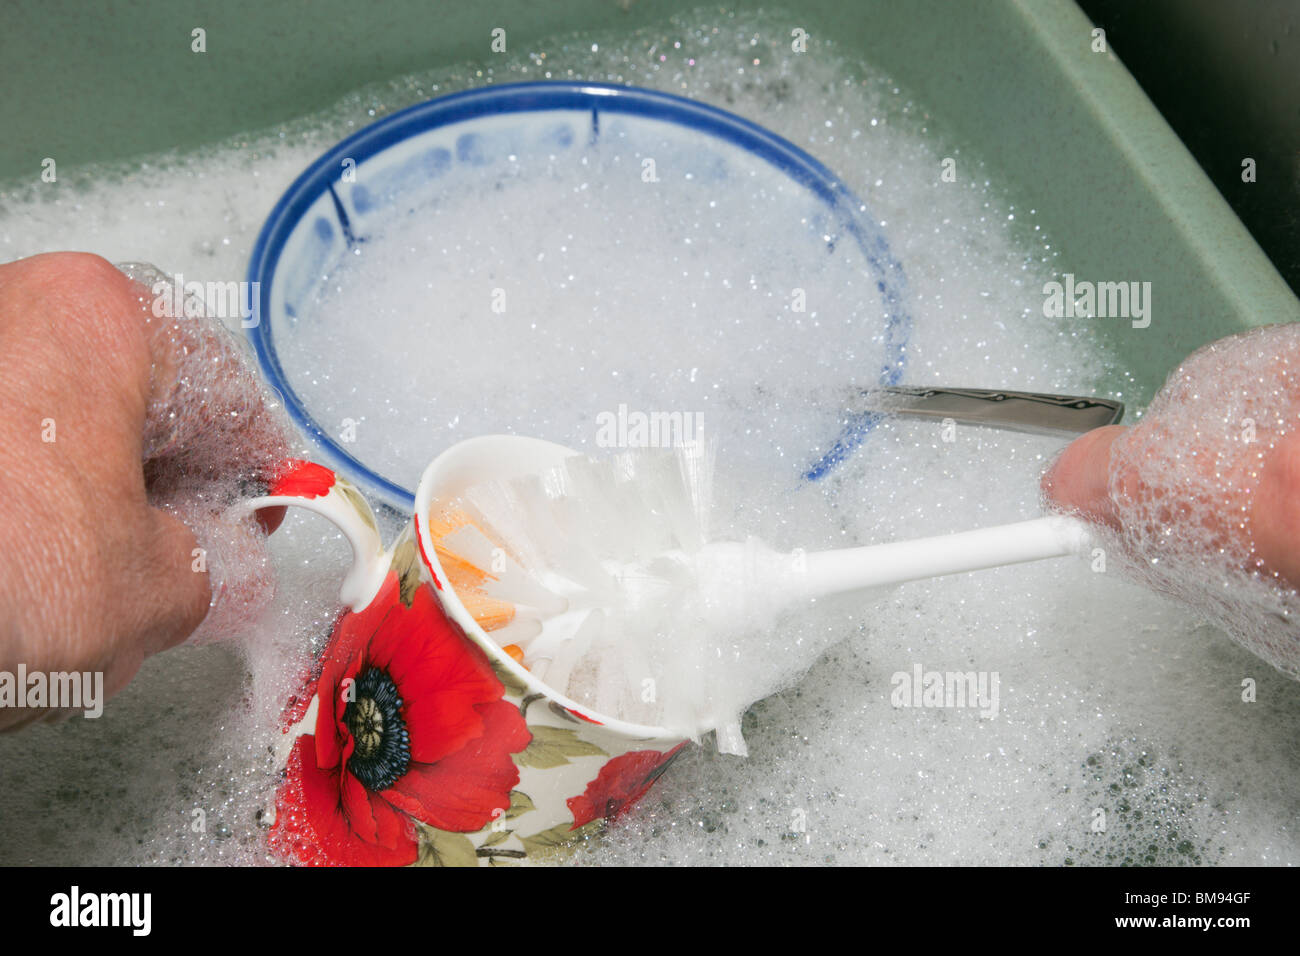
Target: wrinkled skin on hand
pixel 97 568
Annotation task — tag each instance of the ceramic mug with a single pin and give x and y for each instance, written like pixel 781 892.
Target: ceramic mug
pixel 417 739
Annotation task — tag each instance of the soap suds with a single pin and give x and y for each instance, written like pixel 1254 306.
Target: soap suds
pixel 1089 665
pixel 1182 482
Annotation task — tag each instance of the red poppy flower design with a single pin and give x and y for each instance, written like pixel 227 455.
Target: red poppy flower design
pixel 302 479
pixel 410 722
pixel 621 783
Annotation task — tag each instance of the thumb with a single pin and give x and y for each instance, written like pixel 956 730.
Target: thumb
pixel 179 586
pixel 229 555
pixel 1275 510
pixel 1079 480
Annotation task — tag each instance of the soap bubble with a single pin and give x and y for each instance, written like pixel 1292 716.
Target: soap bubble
pixel 1184 481
pixel 214 433
pixel 1091 664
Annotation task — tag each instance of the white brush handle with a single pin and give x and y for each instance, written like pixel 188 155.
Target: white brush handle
pixel 832 572
pixel 745 583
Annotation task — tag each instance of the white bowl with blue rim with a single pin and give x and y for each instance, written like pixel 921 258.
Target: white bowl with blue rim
pixel 391 166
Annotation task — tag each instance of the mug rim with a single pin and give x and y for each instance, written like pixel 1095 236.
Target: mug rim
pixel 452 604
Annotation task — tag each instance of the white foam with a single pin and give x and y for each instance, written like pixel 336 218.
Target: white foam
pixel 212 433
pixel 1109 697
pixel 549 296
pixel 1184 480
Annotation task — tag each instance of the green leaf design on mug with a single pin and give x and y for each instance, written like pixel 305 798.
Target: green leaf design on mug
pixel 514 686
pixel 356 500
pixel 495 837
pixel 553 746
pixel 440 848
pixel 406 563
pixel 520 803
pixel 560 838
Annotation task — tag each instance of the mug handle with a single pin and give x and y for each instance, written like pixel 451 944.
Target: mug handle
pixel 317 488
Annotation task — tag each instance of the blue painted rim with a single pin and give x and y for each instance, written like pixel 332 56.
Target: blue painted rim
pixel 321 175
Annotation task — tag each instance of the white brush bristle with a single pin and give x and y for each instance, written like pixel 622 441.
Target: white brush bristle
pixel 597 559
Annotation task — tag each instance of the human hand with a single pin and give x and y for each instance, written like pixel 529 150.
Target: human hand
pixel 1201 498
pixel 117 424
